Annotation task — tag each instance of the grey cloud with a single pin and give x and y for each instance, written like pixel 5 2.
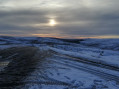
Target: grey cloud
pixel 75 18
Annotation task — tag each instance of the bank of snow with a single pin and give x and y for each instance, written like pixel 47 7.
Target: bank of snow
pixel 107 57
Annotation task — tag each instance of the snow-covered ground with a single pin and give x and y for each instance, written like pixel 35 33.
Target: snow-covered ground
pixel 77 76
pixel 102 56
pixel 111 44
pixel 83 64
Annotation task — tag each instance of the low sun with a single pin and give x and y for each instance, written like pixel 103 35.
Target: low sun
pixel 52 22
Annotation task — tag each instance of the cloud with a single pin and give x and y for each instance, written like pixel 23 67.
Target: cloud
pixel 79 17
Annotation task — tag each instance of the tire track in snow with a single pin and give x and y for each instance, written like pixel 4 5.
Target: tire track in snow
pixel 104 75
pixel 91 62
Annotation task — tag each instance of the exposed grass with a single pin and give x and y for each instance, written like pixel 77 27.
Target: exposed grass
pixel 21 65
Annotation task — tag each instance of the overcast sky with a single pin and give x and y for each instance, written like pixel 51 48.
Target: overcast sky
pixel 73 18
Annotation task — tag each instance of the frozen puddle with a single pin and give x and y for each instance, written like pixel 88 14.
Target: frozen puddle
pixel 3 65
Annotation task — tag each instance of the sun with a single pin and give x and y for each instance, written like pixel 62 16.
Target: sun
pixel 52 22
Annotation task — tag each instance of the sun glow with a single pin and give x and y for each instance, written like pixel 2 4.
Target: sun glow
pixel 52 22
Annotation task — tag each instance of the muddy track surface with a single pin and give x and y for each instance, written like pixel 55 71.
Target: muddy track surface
pixel 23 64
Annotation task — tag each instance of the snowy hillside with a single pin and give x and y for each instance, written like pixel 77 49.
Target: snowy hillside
pixel 111 44
pixel 74 63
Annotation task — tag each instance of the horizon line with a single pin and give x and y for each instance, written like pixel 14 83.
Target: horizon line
pixel 68 37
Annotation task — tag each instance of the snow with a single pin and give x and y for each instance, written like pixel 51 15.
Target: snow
pixel 111 44
pixel 62 67
pixel 108 58
pixel 79 78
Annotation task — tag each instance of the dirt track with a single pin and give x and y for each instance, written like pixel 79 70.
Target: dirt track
pixel 21 65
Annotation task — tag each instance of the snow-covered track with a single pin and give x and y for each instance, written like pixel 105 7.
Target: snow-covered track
pixel 101 74
pixel 90 62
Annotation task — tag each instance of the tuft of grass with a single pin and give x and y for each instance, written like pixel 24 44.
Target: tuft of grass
pixel 21 65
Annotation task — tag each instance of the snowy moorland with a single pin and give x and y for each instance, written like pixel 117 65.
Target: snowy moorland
pixel 74 63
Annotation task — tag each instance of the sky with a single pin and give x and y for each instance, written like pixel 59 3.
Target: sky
pixel 60 18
